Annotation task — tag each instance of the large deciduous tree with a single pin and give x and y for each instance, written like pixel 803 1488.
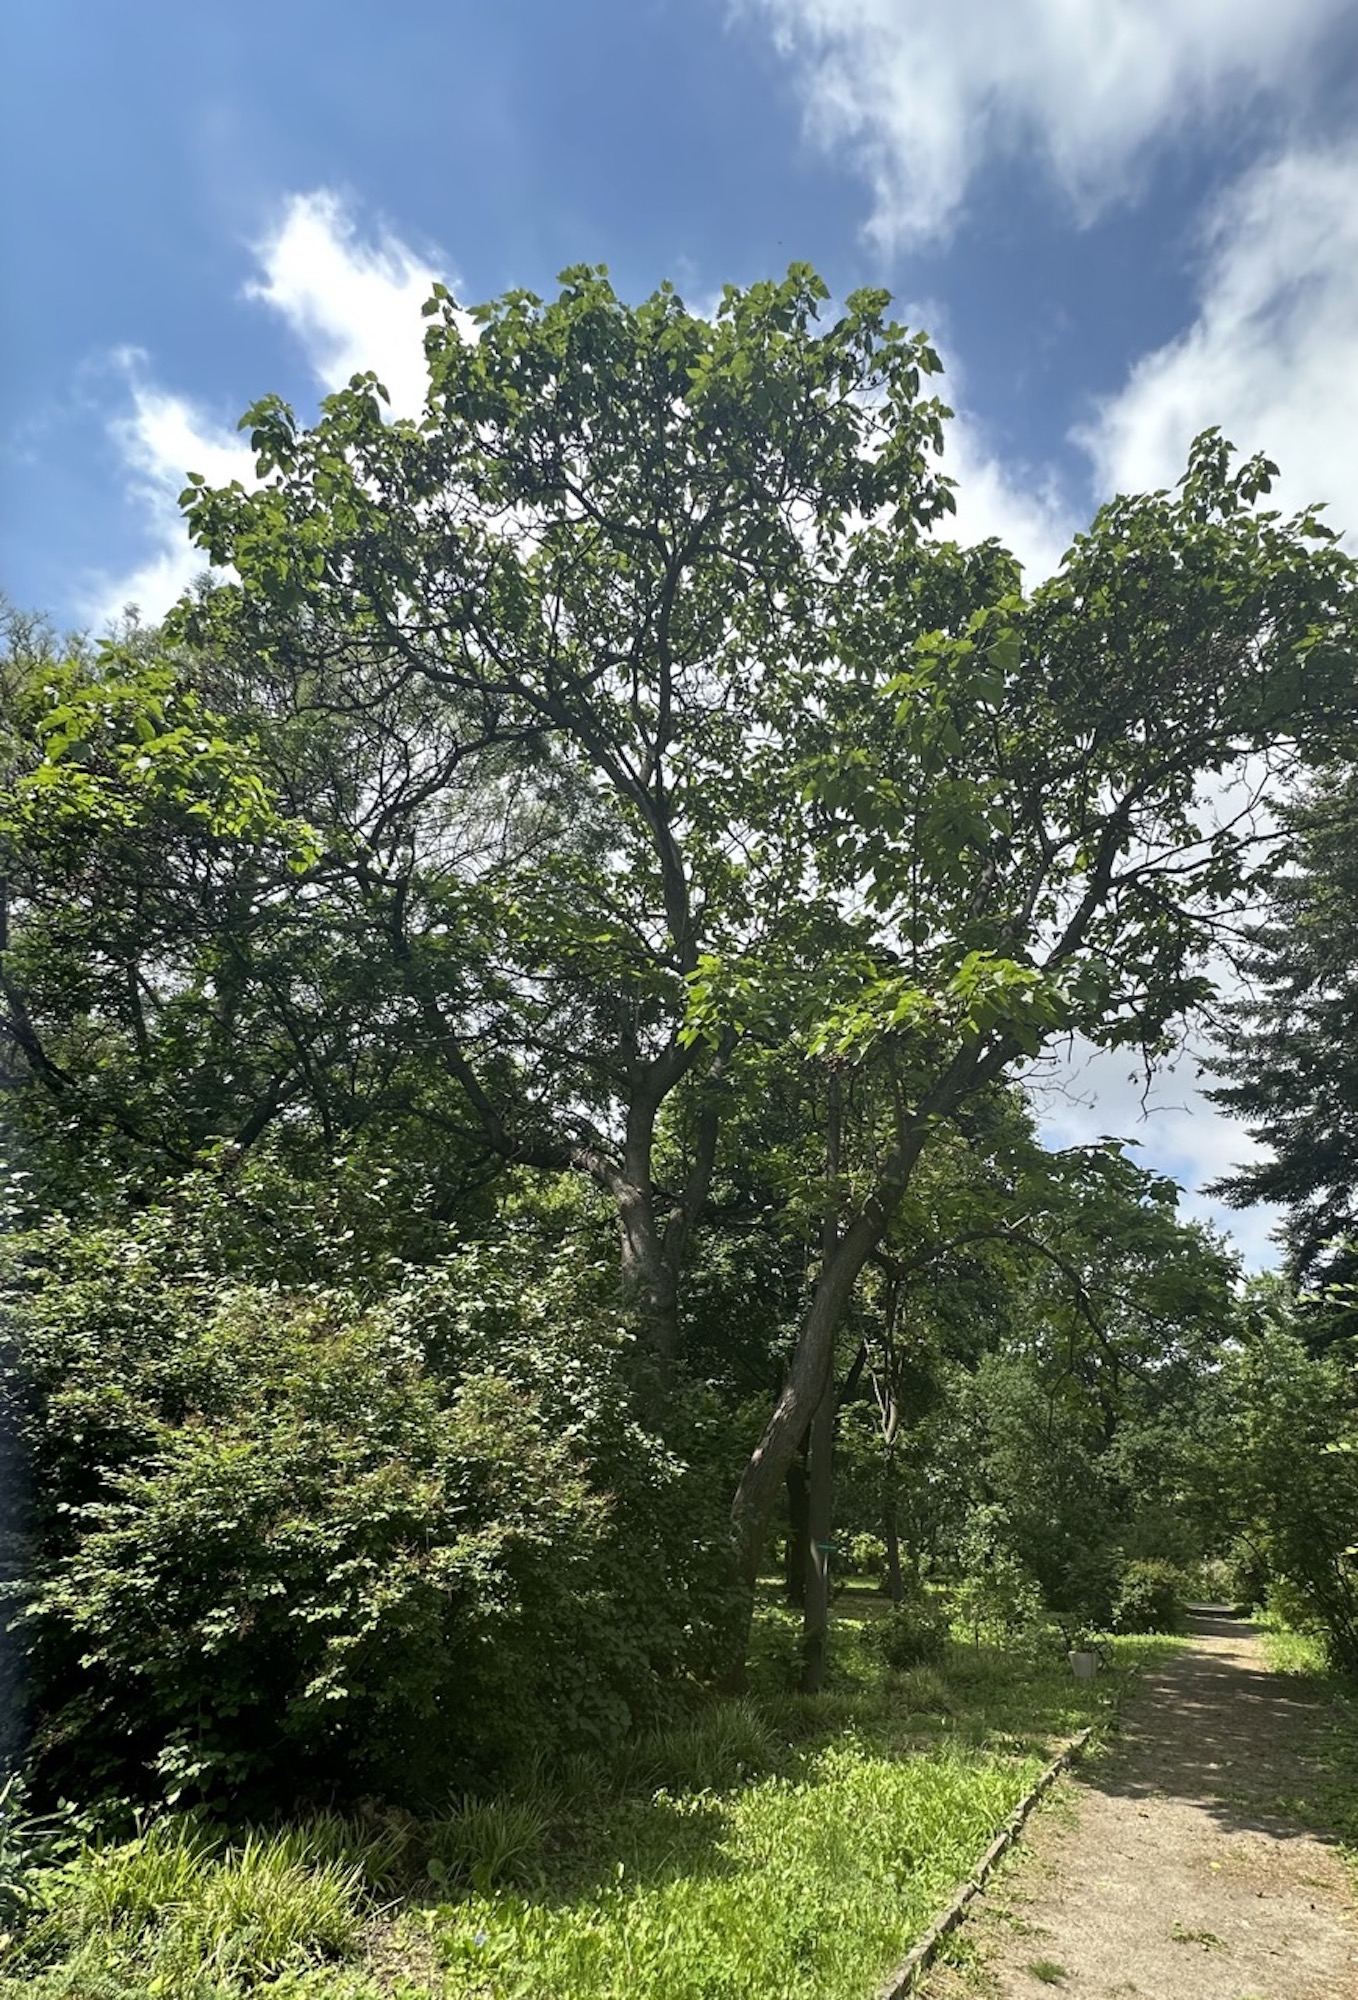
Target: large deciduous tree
pixel 657 600
pixel 611 544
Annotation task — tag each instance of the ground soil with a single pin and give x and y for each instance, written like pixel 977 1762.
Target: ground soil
pixel 1184 1863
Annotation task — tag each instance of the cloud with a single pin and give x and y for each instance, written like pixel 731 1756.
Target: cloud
pixel 920 96
pixel 160 438
pixel 1023 507
pixel 1085 1093
pixel 1272 356
pixel 352 304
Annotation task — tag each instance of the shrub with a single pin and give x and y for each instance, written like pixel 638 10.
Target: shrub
pixel 865 1555
pixel 775 1656
pixel 287 1546
pixel 996 1596
pixel 913 1634
pixel 1150 1596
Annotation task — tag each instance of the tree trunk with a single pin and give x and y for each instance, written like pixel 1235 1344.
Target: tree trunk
pixel 648 1280
pixel 763 1477
pixel 819 1518
pixel 798 1534
pixel 811 1361
pixel 821 1440
pixel 891 1535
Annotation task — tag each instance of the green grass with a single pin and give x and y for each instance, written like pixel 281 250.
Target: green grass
pixel 782 1847
pixel 1289 1652
pixel 1332 1798
pixel 172 1913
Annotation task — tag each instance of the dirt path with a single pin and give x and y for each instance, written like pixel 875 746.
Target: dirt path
pixel 1168 1871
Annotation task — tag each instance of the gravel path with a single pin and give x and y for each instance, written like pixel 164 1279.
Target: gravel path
pixel 1168 1870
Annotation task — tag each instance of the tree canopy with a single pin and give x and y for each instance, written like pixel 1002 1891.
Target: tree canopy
pixel 611 801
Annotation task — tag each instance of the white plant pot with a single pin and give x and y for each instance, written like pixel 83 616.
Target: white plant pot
pixel 1083 1665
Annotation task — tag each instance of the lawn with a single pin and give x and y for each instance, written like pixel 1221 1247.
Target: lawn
pixel 778 1847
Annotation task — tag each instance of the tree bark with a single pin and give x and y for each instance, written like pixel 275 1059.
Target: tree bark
pixel 891 1535
pixel 821 1440
pixel 798 1534
pixel 972 1067
pixel 819 1518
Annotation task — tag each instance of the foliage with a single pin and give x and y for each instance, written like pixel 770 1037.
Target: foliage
pixel 273 1530
pixel 611 783
pixel 913 1634
pixel 1286 1445
pixel 1150 1596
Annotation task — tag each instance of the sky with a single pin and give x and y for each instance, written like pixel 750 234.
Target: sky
pixel 1120 220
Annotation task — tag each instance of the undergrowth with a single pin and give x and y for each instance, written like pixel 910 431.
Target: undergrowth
pixel 783 1847
pixel 1332 1800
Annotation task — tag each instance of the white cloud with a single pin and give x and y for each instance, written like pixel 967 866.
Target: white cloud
pixel 161 438
pixel 1088 1093
pixel 353 304
pixel 1023 507
pixel 920 94
pixel 1272 356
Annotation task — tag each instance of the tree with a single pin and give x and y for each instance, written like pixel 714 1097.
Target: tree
pixel 809 776
pixel 1291 1050
pixel 609 544
pixel 1284 1464
pixel 1020 790
pixel 138 845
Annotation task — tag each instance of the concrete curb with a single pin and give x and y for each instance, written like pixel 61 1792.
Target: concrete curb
pixel 911 1970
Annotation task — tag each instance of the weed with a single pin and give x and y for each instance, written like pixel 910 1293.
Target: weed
pixel 923 1691
pixel 1047 1970
pixel 723 1746
pixel 1207 1940
pixel 484 1843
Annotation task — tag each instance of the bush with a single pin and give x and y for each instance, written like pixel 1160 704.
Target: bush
pixel 284 1546
pixel 865 1555
pixel 913 1634
pixel 1150 1596
pixel 997 1596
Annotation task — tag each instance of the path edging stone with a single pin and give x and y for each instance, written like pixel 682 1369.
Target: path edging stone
pixel 907 1975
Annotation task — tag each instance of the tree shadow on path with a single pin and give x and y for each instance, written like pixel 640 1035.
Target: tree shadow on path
pixel 1213 1727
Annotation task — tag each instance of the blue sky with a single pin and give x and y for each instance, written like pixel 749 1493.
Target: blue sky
pixel 1121 219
